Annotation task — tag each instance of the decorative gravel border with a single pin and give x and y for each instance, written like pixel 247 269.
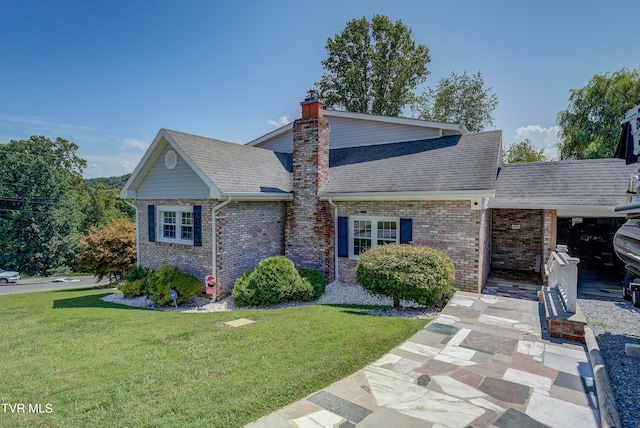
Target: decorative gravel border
pixel 335 294
pixel 614 322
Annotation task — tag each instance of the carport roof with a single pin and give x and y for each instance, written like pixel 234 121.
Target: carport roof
pixel 594 183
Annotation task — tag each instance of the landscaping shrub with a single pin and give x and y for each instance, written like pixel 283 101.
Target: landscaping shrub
pixel 420 274
pixel 169 277
pixel 316 279
pixel 132 288
pixel 274 280
pixel 136 282
pixel 109 251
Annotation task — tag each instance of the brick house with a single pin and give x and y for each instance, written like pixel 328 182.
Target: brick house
pixel 328 186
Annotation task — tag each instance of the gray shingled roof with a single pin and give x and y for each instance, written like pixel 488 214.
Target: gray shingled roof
pixel 456 163
pixel 597 182
pixel 235 167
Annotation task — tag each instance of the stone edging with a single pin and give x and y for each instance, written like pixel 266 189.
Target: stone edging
pixel 609 416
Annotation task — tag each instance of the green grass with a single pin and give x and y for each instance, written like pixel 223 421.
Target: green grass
pixel 102 364
pixel 601 324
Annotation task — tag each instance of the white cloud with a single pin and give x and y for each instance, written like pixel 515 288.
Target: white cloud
pixel 137 144
pixel 34 123
pixel 541 138
pixel 283 120
pixel 109 166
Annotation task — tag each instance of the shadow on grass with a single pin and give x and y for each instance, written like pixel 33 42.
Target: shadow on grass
pixel 363 307
pixel 87 288
pixel 357 309
pixel 92 301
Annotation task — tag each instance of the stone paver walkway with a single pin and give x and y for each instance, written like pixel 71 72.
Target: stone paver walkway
pixel 481 363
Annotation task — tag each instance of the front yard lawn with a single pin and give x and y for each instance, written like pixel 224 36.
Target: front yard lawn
pixel 85 362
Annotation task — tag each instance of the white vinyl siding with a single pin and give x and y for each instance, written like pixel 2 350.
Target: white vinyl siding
pixel 347 132
pixel 175 224
pixel 369 232
pixel 179 183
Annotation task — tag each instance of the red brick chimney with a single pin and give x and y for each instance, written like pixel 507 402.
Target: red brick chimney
pixel 309 232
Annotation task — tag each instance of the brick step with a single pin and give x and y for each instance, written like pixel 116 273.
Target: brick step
pixel 524 292
pixel 562 324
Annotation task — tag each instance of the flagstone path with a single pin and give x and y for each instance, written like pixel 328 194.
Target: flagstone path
pixel 482 362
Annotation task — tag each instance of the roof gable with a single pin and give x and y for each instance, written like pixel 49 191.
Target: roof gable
pixel 224 167
pixel 357 129
pixel 171 177
pixel 160 143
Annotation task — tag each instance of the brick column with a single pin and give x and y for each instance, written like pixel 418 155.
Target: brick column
pixel 309 232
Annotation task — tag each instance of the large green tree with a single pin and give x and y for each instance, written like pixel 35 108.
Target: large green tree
pixel 458 98
pixel 590 126
pixel 524 151
pixel 100 206
pixel 373 67
pixel 39 214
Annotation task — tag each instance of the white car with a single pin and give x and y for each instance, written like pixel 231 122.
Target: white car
pixel 65 279
pixel 7 276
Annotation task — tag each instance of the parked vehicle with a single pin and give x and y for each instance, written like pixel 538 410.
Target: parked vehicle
pixel 65 279
pixel 627 240
pixel 8 276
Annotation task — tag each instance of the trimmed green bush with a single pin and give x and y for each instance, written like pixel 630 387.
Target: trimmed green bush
pixel 316 279
pixel 169 277
pixel 132 288
pixel 135 282
pixel 274 280
pixel 421 274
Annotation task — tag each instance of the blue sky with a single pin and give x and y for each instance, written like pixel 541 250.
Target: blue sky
pixel 108 75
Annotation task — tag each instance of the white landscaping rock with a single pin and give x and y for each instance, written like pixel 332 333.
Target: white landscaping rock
pixel 336 294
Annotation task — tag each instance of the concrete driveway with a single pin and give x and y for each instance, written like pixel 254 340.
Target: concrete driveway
pixel 32 285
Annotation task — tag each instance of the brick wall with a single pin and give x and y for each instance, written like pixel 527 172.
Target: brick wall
pixel 566 329
pixel 190 259
pixel 448 225
pixel 309 229
pixel 517 238
pixel 247 232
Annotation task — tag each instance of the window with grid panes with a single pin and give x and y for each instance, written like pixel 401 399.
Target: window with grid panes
pixel 369 232
pixel 176 224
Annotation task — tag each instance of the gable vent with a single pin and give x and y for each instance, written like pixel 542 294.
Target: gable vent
pixel 171 159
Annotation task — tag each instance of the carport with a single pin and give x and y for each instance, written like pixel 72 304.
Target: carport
pixel 538 205
pixel 591 240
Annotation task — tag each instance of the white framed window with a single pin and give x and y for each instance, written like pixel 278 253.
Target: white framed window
pixel 175 224
pixel 369 232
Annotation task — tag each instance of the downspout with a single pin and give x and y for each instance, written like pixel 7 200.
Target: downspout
pixel 214 243
pixel 137 232
pixel 335 240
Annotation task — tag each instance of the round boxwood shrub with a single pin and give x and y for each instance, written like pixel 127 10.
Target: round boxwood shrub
pixel 274 280
pixel 316 279
pixel 169 277
pixel 135 283
pixel 421 274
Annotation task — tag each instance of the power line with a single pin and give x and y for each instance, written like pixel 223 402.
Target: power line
pixel 25 211
pixel 27 201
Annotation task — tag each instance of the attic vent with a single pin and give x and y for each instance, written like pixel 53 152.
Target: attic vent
pixel 171 159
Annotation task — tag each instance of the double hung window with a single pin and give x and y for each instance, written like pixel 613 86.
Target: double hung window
pixel 176 224
pixel 369 232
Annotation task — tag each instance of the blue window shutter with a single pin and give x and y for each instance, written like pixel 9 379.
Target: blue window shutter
pixel 343 237
pixel 197 226
pixel 406 230
pixel 152 223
